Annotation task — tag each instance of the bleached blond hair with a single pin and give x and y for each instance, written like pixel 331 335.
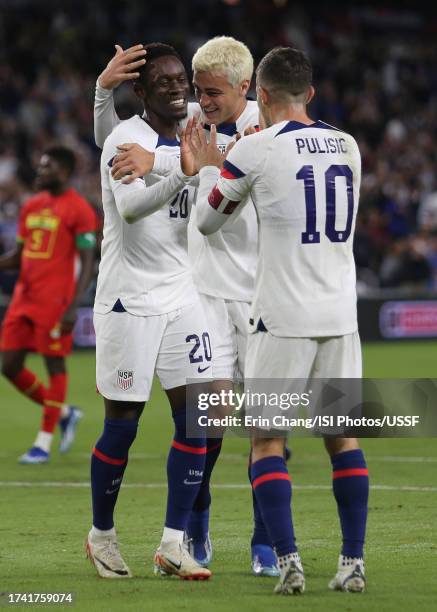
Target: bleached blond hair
pixel 224 56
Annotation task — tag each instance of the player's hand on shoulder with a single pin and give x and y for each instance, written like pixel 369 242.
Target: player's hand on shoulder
pixel 123 66
pixel 131 162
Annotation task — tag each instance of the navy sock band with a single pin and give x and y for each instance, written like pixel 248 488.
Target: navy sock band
pixel 108 463
pixel 203 499
pixel 260 535
pixel 272 487
pixel 351 490
pixel 185 467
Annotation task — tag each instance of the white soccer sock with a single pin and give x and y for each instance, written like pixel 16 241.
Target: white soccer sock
pixel 344 562
pixel 44 441
pixel 172 535
pixel 285 560
pixel 65 411
pixel 102 533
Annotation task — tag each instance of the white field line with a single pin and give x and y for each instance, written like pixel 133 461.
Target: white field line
pixel 398 459
pixel 236 456
pixel 242 457
pixel 163 485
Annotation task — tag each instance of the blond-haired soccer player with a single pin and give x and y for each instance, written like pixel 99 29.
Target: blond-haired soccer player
pixel 224 264
pixel 304 178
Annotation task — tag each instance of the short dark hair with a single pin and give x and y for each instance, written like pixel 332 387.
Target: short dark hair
pixel 155 50
pixel 64 156
pixel 285 71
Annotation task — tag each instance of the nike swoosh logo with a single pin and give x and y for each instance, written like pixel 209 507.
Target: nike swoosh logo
pixel 110 492
pixel 119 572
pixel 193 482
pixel 176 565
pixel 200 370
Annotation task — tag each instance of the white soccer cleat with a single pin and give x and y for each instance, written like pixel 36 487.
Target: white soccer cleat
pixel 103 552
pixel 292 581
pixel 350 575
pixel 173 558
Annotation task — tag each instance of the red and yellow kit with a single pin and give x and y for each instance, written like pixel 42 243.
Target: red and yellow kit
pixel 51 230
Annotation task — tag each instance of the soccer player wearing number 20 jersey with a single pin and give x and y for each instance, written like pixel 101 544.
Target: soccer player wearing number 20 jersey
pixel 148 318
pixel 303 177
pixel 56 225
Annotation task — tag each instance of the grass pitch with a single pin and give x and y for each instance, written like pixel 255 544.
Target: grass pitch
pixel 46 512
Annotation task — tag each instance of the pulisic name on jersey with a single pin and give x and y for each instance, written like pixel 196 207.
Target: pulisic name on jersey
pixel 321 145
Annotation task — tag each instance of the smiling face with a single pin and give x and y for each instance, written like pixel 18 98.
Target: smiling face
pixel 219 101
pixel 165 89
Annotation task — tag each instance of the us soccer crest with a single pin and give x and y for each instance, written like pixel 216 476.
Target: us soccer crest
pixel 125 379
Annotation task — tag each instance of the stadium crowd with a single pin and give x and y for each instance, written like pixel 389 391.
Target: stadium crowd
pixel 376 73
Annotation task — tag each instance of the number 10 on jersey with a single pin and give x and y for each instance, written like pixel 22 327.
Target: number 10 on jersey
pixel 311 235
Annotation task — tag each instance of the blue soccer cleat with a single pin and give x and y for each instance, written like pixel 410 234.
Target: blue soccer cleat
pixel 34 455
pixel 68 426
pixel 198 542
pixel 264 561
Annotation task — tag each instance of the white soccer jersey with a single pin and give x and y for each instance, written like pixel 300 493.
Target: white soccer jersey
pixel 304 182
pixel 224 264
pixel 144 265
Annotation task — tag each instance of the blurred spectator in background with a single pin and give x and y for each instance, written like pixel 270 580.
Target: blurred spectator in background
pixel 427 213
pixel 375 66
pixel 406 264
pixel 431 256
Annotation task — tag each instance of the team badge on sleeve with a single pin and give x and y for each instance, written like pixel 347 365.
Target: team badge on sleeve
pixel 125 379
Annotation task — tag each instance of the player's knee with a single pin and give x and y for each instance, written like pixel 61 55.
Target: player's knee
pixel 10 368
pixel 340 445
pixel 130 411
pixel 55 365
pixel 266 447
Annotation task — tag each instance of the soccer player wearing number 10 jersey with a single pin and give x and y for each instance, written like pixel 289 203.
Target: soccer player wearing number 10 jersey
pixel 304 179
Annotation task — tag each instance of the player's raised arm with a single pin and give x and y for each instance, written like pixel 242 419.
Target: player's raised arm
pixel 223 185
pixel 122 67
pixel 135 201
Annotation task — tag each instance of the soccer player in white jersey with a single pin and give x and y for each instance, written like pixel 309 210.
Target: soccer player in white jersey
pixel 148 318
pixel 224 264
pixel 304 180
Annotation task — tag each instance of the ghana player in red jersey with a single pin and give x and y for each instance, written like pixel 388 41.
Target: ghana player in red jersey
pixel 55 226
